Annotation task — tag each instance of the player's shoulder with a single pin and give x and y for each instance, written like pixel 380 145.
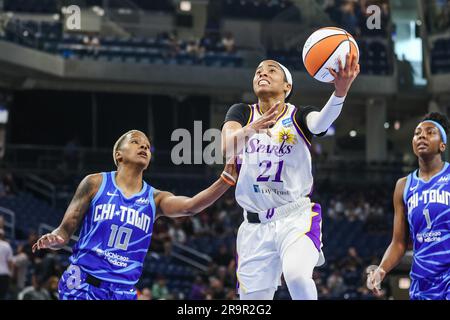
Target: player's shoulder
pixel 400 185
pixel 92 182
pixel 240 106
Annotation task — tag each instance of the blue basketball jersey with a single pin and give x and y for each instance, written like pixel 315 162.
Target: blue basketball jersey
pixel 116 233
pixel 428 210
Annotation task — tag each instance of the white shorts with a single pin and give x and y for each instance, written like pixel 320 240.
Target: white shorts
pixel 261 247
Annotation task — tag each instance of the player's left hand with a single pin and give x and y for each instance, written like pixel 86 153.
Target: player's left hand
pixel 344 78
pixel 49 241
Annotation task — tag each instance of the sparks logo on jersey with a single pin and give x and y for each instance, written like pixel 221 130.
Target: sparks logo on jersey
pixel 255 145
pixel 286 136
pixel 142 201
pixel 287 122
pixel 429 236
pixel 428 196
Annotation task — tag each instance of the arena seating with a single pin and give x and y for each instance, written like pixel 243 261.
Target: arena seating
pixel 48 36
pixel 440 52
pixel 254 9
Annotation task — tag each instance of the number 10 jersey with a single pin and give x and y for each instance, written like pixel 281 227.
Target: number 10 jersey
pixel 116 233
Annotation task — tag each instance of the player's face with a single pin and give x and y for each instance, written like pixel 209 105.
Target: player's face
pixel 136 149
pixel 269 79
pixel 427 140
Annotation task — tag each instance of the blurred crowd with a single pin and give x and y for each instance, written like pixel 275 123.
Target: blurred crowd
pixel 352 15
pixel 437 16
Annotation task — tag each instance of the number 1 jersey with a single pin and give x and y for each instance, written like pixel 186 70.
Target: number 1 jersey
pixel 116 233
pixel 428 212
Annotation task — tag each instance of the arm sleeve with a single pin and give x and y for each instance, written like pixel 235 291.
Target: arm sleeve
pixel 319 122
pixel 239 112
pixel 300 121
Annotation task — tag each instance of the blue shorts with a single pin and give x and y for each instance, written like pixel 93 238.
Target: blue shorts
pixel 73 286
pixel 430 289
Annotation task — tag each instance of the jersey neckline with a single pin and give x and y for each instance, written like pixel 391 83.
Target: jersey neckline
pixel 416 173
pixel 144 187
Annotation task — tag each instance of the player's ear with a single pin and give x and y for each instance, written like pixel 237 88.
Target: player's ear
pixel 118 156
pixel 287 87
pixel 442 147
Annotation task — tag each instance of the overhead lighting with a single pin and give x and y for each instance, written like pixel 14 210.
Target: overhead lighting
pixel 99 11
pixel 352 133
pixel 386 125
pixel 185 6
pixel 397 125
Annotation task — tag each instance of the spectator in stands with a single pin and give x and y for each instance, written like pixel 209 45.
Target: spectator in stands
pixel 36 291
pixel 352 259
pixel 21 265
pixel 33 256
pixel 176 232
pixel 6 265
pixel 198 289
pixel 72 154
pixel 194 50
pixel 146 294
pixel 223 256
pixel 349 20
pixel 10 184
pixel 216 290
pixel 2 222
pixel 52 287
pixel 92 43
pixel 228 42
pixel 335 284
pixel 159 288
pixel 2 189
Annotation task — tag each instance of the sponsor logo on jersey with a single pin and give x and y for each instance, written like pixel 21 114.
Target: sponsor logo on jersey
pixel 113 258
pixel 287 122
pixel 111 194
pixel 269 191
pixel 427 237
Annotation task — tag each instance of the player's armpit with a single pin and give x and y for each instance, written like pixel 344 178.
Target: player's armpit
pixel 76 210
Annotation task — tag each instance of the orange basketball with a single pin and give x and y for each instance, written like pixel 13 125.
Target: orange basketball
pixel 322 50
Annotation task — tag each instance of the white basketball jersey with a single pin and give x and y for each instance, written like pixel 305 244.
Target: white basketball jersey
pixel 275 170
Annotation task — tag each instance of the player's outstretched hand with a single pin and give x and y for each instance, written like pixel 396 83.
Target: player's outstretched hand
pixel 49 241
pixel 267 120
pixel 374 279
pixel 344 78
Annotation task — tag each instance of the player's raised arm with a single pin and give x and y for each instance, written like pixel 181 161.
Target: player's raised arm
pixel 173 206
pixel 397 247
pixel 59 237
pixel 235 135
pixel 319 122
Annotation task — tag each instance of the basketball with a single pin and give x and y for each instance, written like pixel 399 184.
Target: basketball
pixel 322 50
